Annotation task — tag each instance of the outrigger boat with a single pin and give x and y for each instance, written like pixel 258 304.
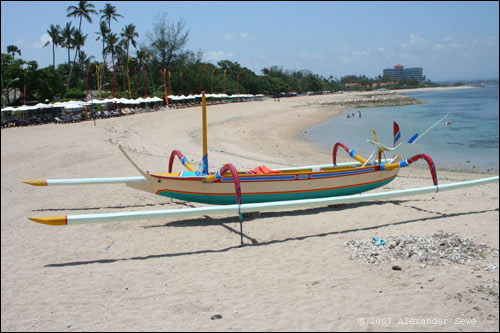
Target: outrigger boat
pixel 263 189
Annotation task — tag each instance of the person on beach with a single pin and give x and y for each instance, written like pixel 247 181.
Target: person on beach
pixel 359 114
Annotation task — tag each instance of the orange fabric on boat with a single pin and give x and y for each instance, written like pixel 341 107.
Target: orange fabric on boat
pixel 262 170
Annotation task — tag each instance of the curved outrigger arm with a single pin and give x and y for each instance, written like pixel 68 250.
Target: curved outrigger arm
pixel 218 175
pixel 408 161
pixel 236 180
pixel 351 153
pixel 182 158
pixel 389 166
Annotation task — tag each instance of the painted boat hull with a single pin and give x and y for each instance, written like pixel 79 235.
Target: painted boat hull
pixel 289 185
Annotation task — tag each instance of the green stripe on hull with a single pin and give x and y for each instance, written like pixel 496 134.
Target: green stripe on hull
pixel 256 198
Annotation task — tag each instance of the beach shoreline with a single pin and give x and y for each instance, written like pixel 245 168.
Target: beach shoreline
pixel 294 272
pixel 364 100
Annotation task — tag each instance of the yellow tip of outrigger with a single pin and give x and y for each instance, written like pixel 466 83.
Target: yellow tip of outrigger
pixel 50 220
pixel 36 182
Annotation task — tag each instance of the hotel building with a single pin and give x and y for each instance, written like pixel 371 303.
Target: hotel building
pixel 399 72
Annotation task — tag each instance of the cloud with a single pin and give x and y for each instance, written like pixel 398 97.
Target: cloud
pixel 43 39
pixel 416 44
pixel 363 53
pixel 450 46
pixel 490 42
pixel 237 36
pixel 317 55
pixel 215 56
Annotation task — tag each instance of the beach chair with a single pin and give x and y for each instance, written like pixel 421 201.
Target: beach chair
pixel 58 120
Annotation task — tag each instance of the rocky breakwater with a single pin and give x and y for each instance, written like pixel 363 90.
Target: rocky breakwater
pixel 368 100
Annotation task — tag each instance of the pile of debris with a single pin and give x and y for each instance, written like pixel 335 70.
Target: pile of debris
pixel 440 248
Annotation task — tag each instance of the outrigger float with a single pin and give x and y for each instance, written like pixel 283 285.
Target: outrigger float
pixel 262 189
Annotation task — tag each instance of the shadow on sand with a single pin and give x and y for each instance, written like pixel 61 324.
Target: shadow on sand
pixel 209 221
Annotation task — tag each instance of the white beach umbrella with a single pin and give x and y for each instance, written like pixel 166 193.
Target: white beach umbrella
pixel 72 106
pixel 57 105
pixel 42 106
pixel 25 108
pixel 97 101
pixel 8 108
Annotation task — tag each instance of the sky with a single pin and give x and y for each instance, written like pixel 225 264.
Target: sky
pixel 449 40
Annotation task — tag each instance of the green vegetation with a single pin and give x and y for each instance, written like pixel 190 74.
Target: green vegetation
pixel 122 74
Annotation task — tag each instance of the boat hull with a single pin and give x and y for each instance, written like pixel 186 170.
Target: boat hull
pixel 269 188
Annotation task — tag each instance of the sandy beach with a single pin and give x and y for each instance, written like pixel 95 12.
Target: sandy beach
pixel 295 272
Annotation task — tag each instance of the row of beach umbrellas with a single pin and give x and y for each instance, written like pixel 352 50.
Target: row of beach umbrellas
pixel 80 104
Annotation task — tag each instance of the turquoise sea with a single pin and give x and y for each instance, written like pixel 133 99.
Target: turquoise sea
pixel 470 142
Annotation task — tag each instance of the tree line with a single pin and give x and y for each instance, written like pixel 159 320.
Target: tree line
pixel 128 69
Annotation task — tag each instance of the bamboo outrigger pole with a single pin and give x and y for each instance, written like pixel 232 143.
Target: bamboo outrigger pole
pixel 204 168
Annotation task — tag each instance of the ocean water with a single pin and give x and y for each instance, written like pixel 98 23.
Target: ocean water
pixel 470 142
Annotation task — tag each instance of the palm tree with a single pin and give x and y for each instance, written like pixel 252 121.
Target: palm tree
pixel 128 35
pixel 83 10
pixel 84 59
pixel 78 42
pixel 13 49
pixel 103 34
pixel 113 46
pixel 55 36
pixel 109 13
pixel 67 40
pixel 141 56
